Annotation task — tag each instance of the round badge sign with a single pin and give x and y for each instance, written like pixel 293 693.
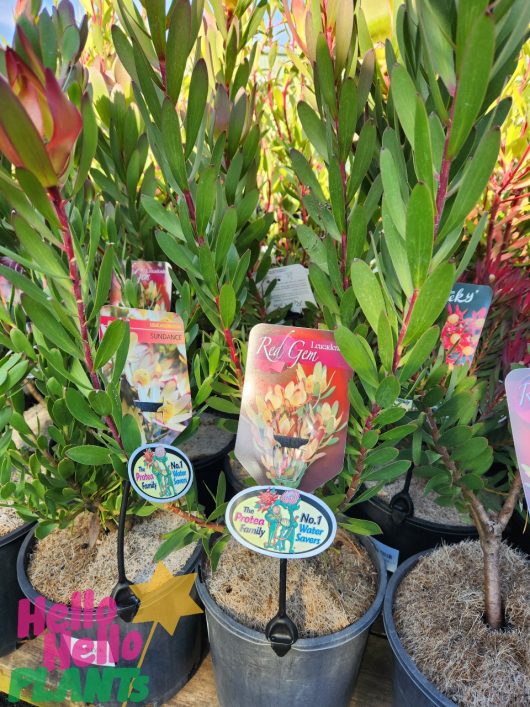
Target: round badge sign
pixel 160 473
pixel 281 522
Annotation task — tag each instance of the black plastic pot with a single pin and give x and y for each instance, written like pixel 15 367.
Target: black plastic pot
pixel 10 592
pixel 170 661
pixel 518 533
pixel 411 687
pixel 408 534
pixel 316 672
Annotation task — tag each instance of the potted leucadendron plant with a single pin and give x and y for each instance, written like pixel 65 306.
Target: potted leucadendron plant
pixel 69 480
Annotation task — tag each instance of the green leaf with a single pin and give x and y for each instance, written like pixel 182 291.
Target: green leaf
pixel 404 97
pixel 313 246
pixel 156 17
pixel 41 254
pixel 177 253
pixel 419 353
pixel 236 123
pixel 104 280
pixel 100 402
pixel 305 174
pixel 385 342
pixel 357 235
pixel 227 305
pixel 326 80
pixel 89 142
pixel 387 391
pixel 423 160
pixel 89 454
pixel 198 93
pixel 110 343
pixel 474 180
pixel 347 117
pixel 205 200
pixel 314 128
pixel 48 325
pixel 81 410
pixel 361 527
pixel 398 252
pixel 24 138
pixel 336 193
pixel 364 153
pixel 392 191
pixel 37 194
pixel 172 141
pixel 130 434
pixel 178 47
pixel 357 354
pixel 472 82
pixel 225 237
pixel 322 288
pixel 431 301
pixel 368 292
pixel 420 233
pixel 436 31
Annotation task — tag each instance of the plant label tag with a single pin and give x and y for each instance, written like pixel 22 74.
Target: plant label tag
pixel 292 288
pixel 155 376
pixel 281 522
pixel 518 396
pixel 294 407
pixel 160 473
pixel 467 309
pixel 155 285
pixel 389 554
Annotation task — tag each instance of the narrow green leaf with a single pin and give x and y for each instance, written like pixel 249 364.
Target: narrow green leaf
pixel 227 305
pixel 81 410
pixel 236 123
pixel 89 142
pixel 110 343
pixel 357 354
pixel 130 433
pixel 156 17
pixel 336 194
pixel 385 342
pixel 361 527
pixel 420 233
pixel 387 392
pixel 104 279
pixel 404 97
pixel 431 301
pixel 422 146
pixel 225 237
pixel 326 80
pixel 198 93
pixel 89 454
pixel 472 82
pixel 364 154
pixel 347 117
pixel 313 246
pixel 205 200
pixel 368 292
pixel 314 128
pixel 44 320
pixel 173 144
pixel 419 353
pixel 398 252
pixel 178 47
pixel 392 191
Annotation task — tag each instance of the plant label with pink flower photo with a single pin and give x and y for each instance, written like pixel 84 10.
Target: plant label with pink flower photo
pixel 467 309
pixel 155 386
pixel 155 285
pixel 281 522
pixel 292 288
pixel 518 396
pixel 160 473
pixel 294 407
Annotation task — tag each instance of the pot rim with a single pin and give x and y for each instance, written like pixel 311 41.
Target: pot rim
pixel 425 524
pixel 32 594
pixel 400 653
pixel 15 534
pixel 316 643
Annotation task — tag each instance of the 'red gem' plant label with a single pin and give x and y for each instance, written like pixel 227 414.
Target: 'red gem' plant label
pixel 467 309
pixel 160 473
pixel 281 522
pixel 518 396
pixel 294 408
pixel 155 378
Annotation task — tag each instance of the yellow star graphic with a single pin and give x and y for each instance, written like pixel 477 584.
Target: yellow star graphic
pixel 165 598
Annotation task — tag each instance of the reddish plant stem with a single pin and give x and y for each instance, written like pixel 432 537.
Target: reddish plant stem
pixel 344 242
pixel 162 65
pixel 359 465
pixel 193 519
pixel 231 346
pixel 403 331
pixel 59 206
pixel 191 208
pixel 443 181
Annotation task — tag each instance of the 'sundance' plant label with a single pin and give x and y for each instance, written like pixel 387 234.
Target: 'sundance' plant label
pixel 466 313
pixel 294 408
pixel 518 396
pixel 160 473
pixel 281 522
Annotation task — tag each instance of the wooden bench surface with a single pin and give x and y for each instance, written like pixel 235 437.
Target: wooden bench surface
pixel 373 689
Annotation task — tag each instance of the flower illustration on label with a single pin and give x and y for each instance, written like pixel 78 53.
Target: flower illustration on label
pixel 467 309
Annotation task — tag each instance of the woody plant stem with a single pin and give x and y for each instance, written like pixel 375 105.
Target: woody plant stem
pixel 490 527
pixel 59 206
